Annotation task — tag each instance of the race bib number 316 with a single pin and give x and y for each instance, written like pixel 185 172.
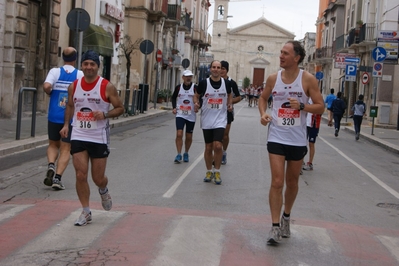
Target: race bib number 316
pixel 86 120
pixel 288 117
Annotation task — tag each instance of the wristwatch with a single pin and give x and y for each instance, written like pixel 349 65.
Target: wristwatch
pixel 301 106
pixel 105 114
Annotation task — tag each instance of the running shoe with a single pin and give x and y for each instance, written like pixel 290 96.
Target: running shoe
pixel 357 136
pixel 57 184
pixel 185 157
pixel 208 176
pixel 274 236
pixel 84 218
pixel 308 167
pixel 218 180
pixel 106 200
pixel 336 132
pixel 224 158
pixel 178 158
pixel 285 228
pixel 48 181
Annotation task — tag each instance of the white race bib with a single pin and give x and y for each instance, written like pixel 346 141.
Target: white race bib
pixel 86 120
pixel 184 110
pixel 287 117
pixel 215 103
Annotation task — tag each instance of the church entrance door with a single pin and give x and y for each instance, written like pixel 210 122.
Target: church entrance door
pixel 259 77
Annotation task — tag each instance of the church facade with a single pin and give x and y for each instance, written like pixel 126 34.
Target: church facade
pixel 252 50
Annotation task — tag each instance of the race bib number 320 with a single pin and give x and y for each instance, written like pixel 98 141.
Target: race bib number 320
pixel 287 117
pixel 86 120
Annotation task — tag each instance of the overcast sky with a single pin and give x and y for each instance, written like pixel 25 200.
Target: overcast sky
pixel 297 16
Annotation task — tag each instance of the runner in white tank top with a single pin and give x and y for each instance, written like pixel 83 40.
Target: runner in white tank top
pixel 216 100
pixel 291 89
pixel 183 108
pixel 89 99
pixel 288 126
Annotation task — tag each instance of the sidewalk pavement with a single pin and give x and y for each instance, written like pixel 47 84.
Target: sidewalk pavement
pixel 9 144
pixel 386 137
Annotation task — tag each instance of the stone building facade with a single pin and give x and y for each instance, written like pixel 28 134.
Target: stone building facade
pixel 28 49
pixel 252 50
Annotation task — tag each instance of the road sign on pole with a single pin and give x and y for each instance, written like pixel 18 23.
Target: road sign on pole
pixel 365 78
pixel 352 61
pixel 319 75
pixel 159 55
pixel 377 70
pixel 350 72
pixel 379 54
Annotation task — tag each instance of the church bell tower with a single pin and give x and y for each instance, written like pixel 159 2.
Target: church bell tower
pixel 219 30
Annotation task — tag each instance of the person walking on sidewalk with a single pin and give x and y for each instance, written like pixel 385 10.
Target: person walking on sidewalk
pixel 312 125
pixel 215 93
pixel 329 99
pixel 56 86
pixel 89 100
pixel 291 88
pixel 359 109
pixel 230 115
pixel 183 108
pixel 338 108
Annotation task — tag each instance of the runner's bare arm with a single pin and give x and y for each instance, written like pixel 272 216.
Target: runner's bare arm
pixel 70 109
pixel 112 94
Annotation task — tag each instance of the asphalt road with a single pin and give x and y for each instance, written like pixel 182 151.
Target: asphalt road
pixel 346 212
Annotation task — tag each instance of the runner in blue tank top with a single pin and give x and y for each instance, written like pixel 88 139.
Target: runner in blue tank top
pixel 56 86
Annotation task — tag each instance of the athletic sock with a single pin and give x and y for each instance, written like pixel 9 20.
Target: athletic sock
pixel 286 216
pixel 276 224
pixel 86 209
pixel 58 177
pixel 103 190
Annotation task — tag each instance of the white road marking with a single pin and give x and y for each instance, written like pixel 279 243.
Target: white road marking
pixel 373 177
pixel 316 234
pixel 392 244
pixel 10 210
pixel 65 235
pixel 193 241
pixel 171 191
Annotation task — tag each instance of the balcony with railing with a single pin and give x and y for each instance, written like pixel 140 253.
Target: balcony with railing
pixel 324 53
pixel 173 12
pixel 367 33
pixel 362 36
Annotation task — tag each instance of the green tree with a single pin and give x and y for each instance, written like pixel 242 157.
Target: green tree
pixel 246 82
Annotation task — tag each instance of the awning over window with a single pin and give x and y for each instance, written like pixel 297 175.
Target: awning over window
pixel 97 39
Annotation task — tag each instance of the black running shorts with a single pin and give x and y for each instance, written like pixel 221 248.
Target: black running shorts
pixel 291 153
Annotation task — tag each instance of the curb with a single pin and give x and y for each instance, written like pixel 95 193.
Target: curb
pixel 32 143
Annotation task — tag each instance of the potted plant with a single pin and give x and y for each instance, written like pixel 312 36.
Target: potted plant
pixel 163 95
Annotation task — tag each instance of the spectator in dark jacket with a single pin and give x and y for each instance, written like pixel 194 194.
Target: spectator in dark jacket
pixel 359 109
pixel 338 107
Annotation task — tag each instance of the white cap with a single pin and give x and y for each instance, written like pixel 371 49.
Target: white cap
pixel 187 73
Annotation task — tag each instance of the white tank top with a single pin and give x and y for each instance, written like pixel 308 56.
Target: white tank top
pixel 85 127
pixel 288 126
pixel 185 103
pixel 214 107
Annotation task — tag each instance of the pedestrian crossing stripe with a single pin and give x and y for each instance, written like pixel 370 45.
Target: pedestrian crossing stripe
pixel 147 235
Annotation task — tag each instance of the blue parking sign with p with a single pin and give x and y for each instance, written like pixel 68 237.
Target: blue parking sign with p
pixel 350 72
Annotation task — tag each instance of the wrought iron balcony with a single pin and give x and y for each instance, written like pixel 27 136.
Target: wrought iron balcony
pixel 174 12
pixel 366 33
pixel 324 52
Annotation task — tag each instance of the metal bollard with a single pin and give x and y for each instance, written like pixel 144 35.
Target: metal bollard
pixel 19 111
